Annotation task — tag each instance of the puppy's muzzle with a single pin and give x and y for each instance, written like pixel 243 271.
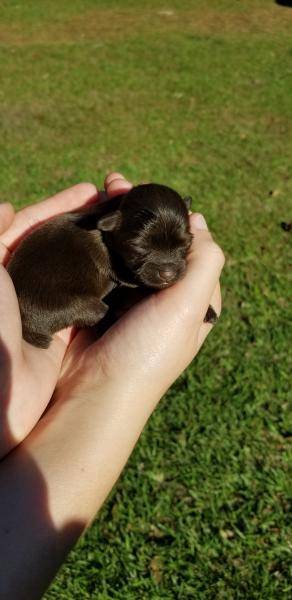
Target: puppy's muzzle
pixel 160 276
pixel 166 275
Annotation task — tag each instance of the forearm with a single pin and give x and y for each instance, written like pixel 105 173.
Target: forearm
pixel 53 484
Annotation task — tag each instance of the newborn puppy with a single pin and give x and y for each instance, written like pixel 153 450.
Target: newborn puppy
pixel 64 269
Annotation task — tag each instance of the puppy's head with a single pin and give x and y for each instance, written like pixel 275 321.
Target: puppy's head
pixel 150 233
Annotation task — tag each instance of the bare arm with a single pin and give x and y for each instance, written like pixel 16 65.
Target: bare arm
pixel 54 483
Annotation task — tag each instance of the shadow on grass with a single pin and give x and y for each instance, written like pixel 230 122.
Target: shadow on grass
pixel 31 548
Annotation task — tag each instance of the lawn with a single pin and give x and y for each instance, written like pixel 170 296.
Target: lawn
pixel 198 96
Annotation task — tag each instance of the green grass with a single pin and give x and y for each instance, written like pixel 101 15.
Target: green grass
pixel 199 100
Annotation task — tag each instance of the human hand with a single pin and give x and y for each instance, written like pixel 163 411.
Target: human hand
pixel 152 344
pixel 105 394
pixel 108 388
pixel 28 375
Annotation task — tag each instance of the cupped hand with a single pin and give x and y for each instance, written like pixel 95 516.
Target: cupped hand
pixel 28 375
pixel 150 346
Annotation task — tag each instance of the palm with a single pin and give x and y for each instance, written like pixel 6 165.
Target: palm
pixel 141 341
pixel 154 341
pixel 30 374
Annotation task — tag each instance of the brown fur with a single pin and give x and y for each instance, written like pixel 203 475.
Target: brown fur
pixel 65 268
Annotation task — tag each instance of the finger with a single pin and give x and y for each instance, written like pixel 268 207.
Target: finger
pixel 6 216
pixel 193 292
pixel 56 354
pixel 116 184
pixel 10 322
pixel 66 335
pixel 75 197
pixel 75 358
pixel 4 254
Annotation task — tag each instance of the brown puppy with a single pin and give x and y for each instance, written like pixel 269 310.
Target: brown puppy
pixel 65 268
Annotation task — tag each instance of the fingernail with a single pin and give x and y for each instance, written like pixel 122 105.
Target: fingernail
pixel 200 222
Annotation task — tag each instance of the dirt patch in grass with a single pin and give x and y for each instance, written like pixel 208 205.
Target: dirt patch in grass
pixel 108 24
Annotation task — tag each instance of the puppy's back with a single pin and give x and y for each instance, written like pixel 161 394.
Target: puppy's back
pixel 60 272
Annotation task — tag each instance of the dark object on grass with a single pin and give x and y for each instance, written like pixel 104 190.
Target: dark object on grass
pixel 77 267
pixel 286 226
pixel 287 3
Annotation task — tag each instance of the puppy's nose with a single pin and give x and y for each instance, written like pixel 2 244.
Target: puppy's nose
pixel 166 275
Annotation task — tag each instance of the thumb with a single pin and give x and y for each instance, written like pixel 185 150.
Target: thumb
pixel 206 258
pixel 205 261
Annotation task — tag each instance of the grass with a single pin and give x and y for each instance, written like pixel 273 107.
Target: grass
pixel 199 99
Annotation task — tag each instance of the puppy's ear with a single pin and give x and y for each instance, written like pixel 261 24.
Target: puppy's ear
pixel 188 202
pixel 110 222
